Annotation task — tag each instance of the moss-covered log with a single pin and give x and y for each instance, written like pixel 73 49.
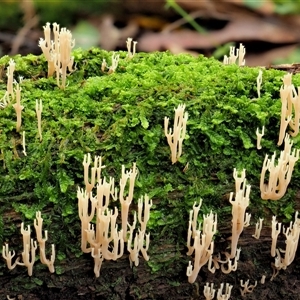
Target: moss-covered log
pixel 120 117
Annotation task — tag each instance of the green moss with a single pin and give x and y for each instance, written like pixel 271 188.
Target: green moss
pixel 120 117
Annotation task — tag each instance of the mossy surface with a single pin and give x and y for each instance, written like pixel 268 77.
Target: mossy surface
pixel 121 117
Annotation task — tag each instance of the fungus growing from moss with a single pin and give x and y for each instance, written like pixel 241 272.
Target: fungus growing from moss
pixel 176 137
pixel 18 107
pixel 58 52
pixel 280 174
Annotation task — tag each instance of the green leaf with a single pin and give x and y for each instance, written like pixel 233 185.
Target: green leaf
pixel 246 140
pixel 134 121
pixel 59 270
pixel 64 181
pixel 144 120
pixel 37 281
pixel 68 210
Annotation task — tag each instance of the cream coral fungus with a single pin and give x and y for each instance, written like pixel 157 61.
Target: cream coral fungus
pixel 129 45
pixel 38 225
pixel 103 239
pixel 276 228
pixel 246 288
pixel 29 248
pixel 259 82
pixel 58 52
pixel 24 143
pixel 258 227
pixel 38 110
pixel 239 217
pixel 227 292
pixel 203 244
pixel 280 174
pixel 259 137
pixel 49 47
pixel 126 200
pixel 290 108
pixel 292 234
pixel 234 55
pixel 10 78
pixel 176 137
pixel 18 107
pixel 209 291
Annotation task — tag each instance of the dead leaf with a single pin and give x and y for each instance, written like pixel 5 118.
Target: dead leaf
pixel 266 58
pixel 236 30
pixel 257 29
pixel 265 7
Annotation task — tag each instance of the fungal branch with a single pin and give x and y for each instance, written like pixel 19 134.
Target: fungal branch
pixel 38 225
pixel 103 239
pixel 10 77
pixel 209 291
pixel 276 228
pixel 239 179
pixel 86 211
pixel 292 234
pixel 259 137
pixel 290 108
pixel 235 54
pixel 8 256
pixel 58 52
pixel 246 287
pixel 126 200
pixel 280 174
pixel 141 241
pixel 239 216
pixel 18 107
pixel 90 206
pixel 24 143
pixel 176 137
pixel 63 57
pixel 98 238
pixel 203 244
pixel 227 292
pixel 29 248
pixel 95 171
pixel 10 80
pixel 114 64
pixel 38 110
pixel 130 53
pixel 258 227
pixel 259 82
pixel 49 47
